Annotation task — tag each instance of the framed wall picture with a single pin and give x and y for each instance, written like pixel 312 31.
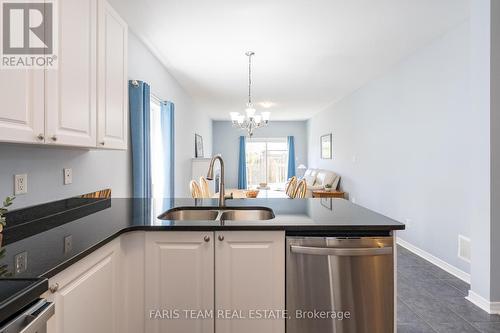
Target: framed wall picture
pixel 326 146
pixel 198 146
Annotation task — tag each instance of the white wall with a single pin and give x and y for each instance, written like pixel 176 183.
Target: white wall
pixel 188 120
pixel 408 145
pixel 226 142
pixel 98 169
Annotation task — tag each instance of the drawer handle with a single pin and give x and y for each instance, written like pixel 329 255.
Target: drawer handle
pixel 102 143
pixel 53 138
pixel 40 137
pixel 53 288
pixel 221 238
pixel 206 239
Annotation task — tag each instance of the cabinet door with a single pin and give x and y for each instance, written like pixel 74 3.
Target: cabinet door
pixel 22 109
pixel 112 111
pixel 249 275
pixel 88 294
pixel 71 89
pixel 179 276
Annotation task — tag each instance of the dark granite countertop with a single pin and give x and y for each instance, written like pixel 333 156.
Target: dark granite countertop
pixel 40 230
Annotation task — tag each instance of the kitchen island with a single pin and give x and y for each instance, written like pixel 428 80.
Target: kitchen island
pixel 120 245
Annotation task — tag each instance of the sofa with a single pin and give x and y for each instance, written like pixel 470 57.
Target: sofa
pixel 316 179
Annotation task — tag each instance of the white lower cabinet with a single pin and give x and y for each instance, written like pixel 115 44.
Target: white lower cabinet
pixel 174 282
pixel 179 276
pixel 250 281
pixel 87 294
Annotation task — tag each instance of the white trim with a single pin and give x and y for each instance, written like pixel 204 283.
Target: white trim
pixel 478 300
pixel 435 260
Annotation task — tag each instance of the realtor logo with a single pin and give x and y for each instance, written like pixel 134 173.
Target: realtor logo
pixel 28 34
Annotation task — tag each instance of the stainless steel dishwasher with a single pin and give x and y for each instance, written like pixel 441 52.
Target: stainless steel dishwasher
pixel 340 285
pixel 32 319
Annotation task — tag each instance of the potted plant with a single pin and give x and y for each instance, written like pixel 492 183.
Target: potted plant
pixel 328 187
pixel 6 203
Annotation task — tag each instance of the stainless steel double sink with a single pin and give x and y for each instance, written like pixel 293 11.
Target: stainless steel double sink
pixel 218 214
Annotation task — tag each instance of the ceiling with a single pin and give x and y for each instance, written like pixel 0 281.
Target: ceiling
pixel 309 53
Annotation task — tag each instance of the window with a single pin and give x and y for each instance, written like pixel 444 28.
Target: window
pixel 157 167
pixel 162 148
pixel 267 161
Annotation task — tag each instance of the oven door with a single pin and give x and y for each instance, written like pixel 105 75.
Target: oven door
pixel 340 285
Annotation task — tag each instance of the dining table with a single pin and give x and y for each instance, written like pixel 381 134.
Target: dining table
pixel 263 194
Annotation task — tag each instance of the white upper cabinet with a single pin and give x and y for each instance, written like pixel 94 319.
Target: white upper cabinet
pixel 112 94
pixel 84 101
pixel 21 109
pixel 71 89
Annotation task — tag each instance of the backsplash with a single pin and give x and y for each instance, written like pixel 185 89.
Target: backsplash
pixel 92 170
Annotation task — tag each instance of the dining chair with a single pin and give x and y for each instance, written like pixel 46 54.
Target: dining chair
pixel 300 190
pixel 290 186
pixel 205 190
pixel 195 189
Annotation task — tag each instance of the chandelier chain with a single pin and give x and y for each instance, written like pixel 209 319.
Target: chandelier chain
pixel 250 79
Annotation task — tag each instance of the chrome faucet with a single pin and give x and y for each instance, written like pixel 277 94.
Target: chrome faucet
pixel 210 176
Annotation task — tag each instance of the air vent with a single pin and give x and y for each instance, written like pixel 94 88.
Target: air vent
pixel 464 248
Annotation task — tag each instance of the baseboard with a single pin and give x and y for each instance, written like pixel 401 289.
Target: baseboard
pixel 435 260
pixel 490 307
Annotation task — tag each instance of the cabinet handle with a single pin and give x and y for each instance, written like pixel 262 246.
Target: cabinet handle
pixel 101 143
pixel 206 238
pixel 40 137
pixel 53 288
pixel 53 138
pixel 221 238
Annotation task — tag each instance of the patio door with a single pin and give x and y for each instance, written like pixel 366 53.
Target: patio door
pixel 267 160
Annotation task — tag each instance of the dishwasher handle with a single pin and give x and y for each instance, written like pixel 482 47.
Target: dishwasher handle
pixel 341 252
pixel 38 321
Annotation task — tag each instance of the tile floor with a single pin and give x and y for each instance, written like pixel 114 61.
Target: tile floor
pixel 431 300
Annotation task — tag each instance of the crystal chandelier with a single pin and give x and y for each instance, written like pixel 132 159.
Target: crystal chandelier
pixel 251 121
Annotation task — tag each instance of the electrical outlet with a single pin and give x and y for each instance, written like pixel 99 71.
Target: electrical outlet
pixel 353 200
pixel 68 244
pixel 21 262
pixel 464 248
pixel 20 184
pixel 407 223
pixel 68 176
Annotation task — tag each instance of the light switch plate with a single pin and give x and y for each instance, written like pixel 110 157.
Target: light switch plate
pixel 68 176
pixel 20 184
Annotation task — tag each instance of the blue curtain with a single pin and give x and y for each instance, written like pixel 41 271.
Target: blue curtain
pixel 139 99
pixel 167 131
pixel 242 165
pixel 291 157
